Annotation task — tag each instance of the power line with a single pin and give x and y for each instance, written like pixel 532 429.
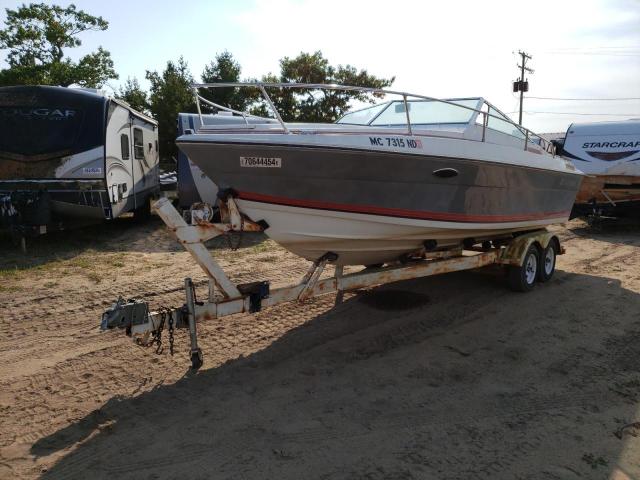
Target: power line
pixel 608 47
pixel 576 113
pixel 583 99
pixel 606 54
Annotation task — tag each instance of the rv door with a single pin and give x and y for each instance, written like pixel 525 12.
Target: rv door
pixel 120 181
pixel 143 157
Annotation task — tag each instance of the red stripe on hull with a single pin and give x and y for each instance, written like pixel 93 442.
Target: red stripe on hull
pixel 398 212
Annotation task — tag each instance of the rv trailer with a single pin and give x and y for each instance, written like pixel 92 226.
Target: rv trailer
pixel 71 157
pixel 609 154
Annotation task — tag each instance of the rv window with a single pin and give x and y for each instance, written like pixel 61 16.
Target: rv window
pixel 124 146
pixel 138 144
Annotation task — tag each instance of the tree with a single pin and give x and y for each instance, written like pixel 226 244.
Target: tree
pixel 170 93
pixel 133 94
pixel 37 36
pixel 313 105
pixel 226 69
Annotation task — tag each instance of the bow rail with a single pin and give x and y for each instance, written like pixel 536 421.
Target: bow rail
pixel 529 136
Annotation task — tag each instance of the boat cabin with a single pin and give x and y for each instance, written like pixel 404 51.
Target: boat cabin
pixel 471 118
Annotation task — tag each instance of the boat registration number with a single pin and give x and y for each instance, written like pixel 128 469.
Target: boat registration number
pixel 261 162
pixel 395 142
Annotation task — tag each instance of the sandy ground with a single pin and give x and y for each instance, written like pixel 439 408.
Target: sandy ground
pixel 453 377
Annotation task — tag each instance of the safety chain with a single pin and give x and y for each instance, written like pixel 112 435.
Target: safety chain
pixel 171 332
pixel 156 338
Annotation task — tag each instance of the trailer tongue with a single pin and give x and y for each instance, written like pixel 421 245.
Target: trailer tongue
pixel 529 257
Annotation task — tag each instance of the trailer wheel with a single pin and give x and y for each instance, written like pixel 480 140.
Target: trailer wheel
pixel 143 212
pixel 522 278
pixel 548 263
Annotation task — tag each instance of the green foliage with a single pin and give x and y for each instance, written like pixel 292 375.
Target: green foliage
pixel 226 69
pixel 133 94
pixel 169 94
pixel 37 35
pixel 309 105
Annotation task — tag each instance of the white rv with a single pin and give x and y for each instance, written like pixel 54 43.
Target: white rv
pixel 72 156
pixel 609 153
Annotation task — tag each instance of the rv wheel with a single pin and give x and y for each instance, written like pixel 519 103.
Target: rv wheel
pixel 143 212
pixel 548 263
pixel 523 277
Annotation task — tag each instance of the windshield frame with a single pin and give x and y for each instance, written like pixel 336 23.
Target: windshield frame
pixel 450 101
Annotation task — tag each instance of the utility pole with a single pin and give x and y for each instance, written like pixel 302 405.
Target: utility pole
pixel 521 85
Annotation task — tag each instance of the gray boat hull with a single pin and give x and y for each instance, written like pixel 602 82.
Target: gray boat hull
pixel 373 206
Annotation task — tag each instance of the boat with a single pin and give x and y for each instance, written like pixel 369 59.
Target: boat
pixel 193 185
pixel 609 154
pixel 385 182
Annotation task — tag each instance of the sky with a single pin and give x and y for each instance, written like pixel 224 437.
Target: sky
pixel 582 49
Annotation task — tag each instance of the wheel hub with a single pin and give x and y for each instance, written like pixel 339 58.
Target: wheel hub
pixel 531 269
pixel 549 260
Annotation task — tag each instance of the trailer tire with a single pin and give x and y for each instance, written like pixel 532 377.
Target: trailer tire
pixel 522 278
pixel 143 212
pixel 548 262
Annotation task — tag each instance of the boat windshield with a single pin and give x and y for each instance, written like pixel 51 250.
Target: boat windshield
pixel 421 112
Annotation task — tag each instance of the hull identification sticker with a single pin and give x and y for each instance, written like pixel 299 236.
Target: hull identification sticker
pixel 261 162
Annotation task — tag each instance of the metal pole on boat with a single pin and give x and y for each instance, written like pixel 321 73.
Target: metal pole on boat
pixel 484 123
pixel 406 111
pixel 273 107
pixel 195 96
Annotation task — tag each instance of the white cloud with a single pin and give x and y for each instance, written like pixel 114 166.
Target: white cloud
pixel 460 48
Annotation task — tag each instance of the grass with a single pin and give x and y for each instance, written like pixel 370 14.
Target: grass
pixel 269 258
pixel 116 260
pixel 82 262
pixel 94 276
pixel 7 273
pixel 262 247
pixel 10 288
pixel 90 263
pixel 96 252
pixel 16 271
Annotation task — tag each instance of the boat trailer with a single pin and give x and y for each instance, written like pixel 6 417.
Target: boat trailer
pixel 226 298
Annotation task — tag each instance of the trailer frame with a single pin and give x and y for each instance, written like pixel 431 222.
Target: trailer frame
pixel 227 298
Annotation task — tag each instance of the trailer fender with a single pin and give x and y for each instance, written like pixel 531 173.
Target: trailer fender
pixel 515 252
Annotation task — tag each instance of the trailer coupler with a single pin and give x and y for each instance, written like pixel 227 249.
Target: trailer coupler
pixel 125 314
pixel 134 316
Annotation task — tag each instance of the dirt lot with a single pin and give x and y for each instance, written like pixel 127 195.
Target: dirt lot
pixel 453 377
